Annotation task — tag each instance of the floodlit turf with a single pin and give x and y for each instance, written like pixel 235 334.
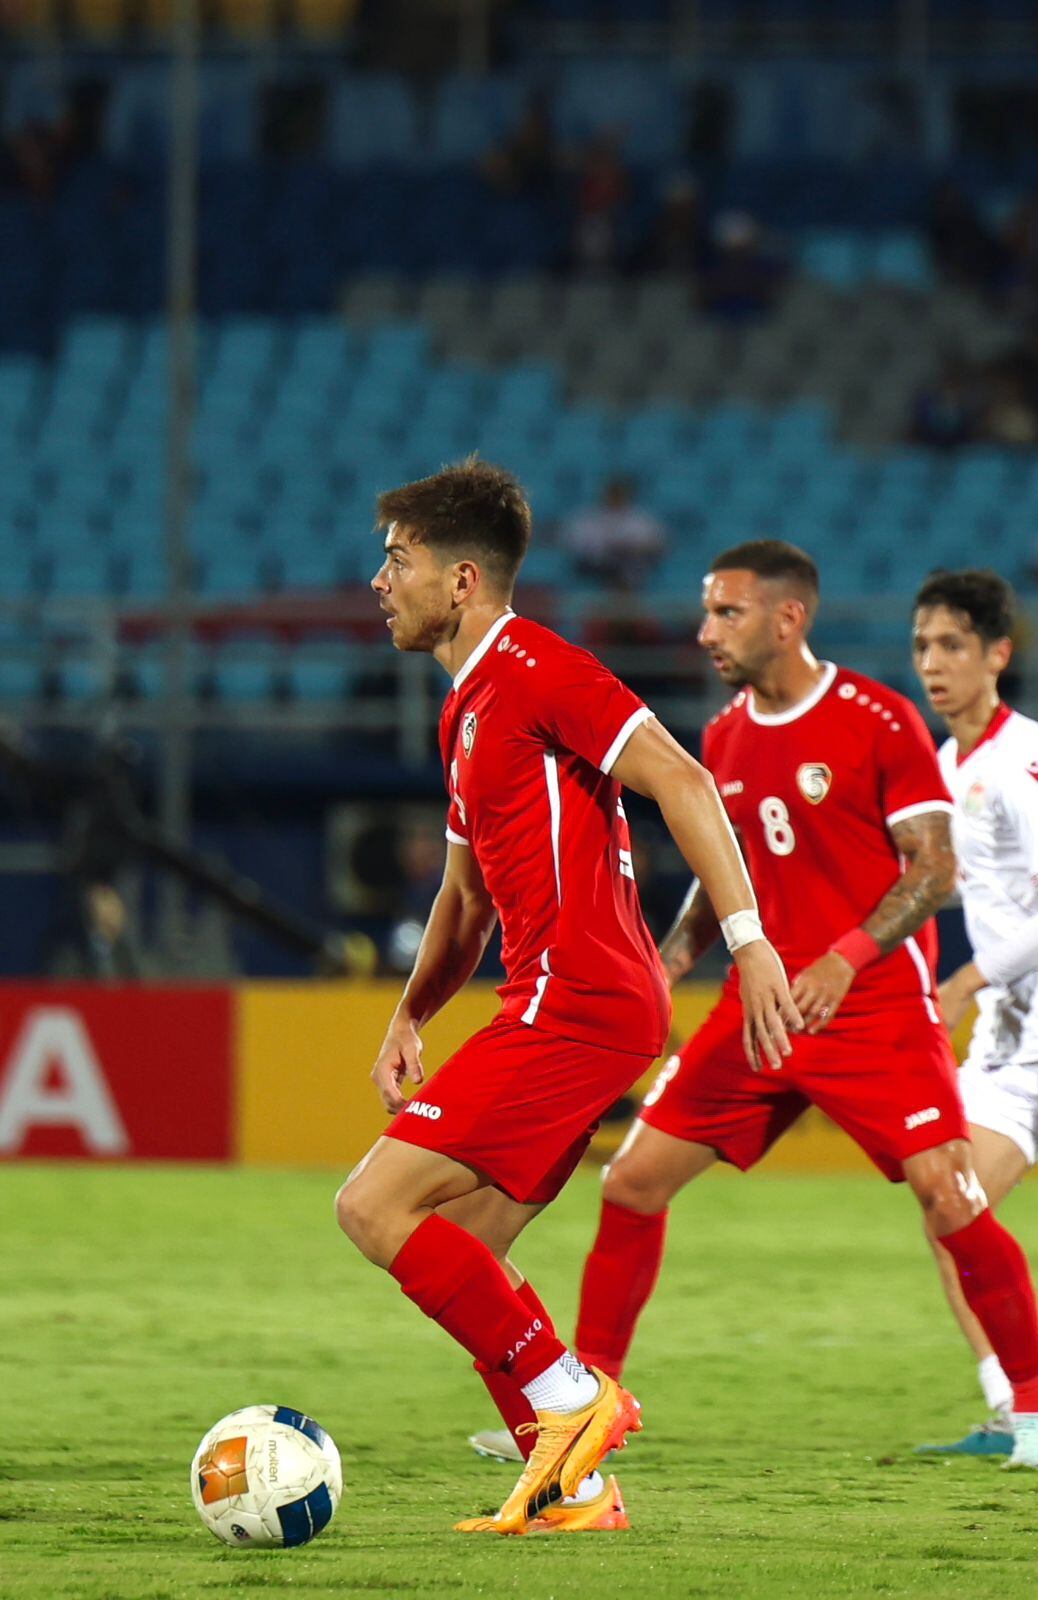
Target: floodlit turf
pixel 796 1350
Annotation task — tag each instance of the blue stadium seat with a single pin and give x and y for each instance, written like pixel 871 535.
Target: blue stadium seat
pixel 373 118
pixel 902 259
pixel 19 678
pixel 246 673
pixel 321 670
pixel 838 259
pixel 635 99
pixel 470 115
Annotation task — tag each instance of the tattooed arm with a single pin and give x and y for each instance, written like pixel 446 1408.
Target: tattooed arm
pixel 460 923
pixel 694 931
pixel 928 879
pixel 923 887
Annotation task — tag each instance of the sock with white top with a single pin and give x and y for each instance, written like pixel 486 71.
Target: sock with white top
pixel 566 1385
pixel 998 1391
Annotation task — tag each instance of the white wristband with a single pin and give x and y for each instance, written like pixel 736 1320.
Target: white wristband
pixel 742 927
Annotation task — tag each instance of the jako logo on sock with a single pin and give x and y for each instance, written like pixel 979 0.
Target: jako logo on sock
pixel 419 1108
pixel 537 1326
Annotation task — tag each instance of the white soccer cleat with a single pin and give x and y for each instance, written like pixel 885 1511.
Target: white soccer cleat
pixel 1025 1441
pixel 495 1445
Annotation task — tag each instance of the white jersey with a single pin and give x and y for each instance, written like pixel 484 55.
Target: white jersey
pixel 995 829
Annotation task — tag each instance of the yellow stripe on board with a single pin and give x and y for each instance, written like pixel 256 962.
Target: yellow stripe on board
pixel 305 1053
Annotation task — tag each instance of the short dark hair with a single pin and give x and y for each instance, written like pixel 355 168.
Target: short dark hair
pixel 774 558
pixel 976 593
pixel 469 508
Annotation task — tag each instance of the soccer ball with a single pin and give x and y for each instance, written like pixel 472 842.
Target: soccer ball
pixel 266 1475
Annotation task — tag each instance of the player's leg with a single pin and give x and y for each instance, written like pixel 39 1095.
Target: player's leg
pixel 388 1208
pixel 597 1504
pixel 498 1220
pixel 993 1274
pixel 554 1090
pixel 999 1164
pixel 623 1266
pixel 706 1103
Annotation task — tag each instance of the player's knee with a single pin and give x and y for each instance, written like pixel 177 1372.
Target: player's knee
pixel 634 1186
pixel 359 1217
pixel 946 1206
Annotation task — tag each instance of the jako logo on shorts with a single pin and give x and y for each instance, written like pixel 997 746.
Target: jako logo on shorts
pixel 419 1108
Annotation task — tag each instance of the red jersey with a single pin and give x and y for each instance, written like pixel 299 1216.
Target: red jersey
pixel 529 733
pixel 814 792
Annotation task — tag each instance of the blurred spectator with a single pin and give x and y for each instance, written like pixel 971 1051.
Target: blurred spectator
pixel 947 413
pixel 677 241
pixel 1011 416
pixel 420 852
pixel 37 157
pixel 744 276
pixel 527 162
pixel 964 250
pixel 616 541
pixel 1021 266
pixel 94 939
pixel 603 187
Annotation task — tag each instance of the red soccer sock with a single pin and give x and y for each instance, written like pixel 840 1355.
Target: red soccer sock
pixel 619 1276
pixel 996 1282
pixel 455 1280
pixel 506 1394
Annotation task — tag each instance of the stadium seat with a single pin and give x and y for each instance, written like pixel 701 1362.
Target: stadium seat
pixel 320 670
pixel 373 118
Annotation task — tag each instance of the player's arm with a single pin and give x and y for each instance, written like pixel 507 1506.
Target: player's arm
pixel 1002 962
pixel 695 929
pixel 652 763
pixel 460 923
pixel 925 845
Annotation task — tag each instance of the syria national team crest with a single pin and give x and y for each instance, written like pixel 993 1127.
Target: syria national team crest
pixel 468 732
pixel 814 780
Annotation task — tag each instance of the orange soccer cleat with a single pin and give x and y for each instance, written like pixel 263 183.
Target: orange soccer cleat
pixel 570 1444
pixel 606 1513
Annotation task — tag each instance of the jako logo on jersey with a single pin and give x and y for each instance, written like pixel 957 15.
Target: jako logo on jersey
pixel 814 780
pixel 520 1344
pixel 1032 771
pixel 919 1119
pixel 421 1108
pixel 468 731
pixel 735 787
pixel 503 643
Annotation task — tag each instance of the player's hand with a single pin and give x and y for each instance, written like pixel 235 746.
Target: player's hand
pixel 768 1010
pixel 399 1060
pixel 956 994
pixel 821 988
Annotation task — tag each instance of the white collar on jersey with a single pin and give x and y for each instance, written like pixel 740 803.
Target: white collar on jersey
pixel 775 719
pixel 473 659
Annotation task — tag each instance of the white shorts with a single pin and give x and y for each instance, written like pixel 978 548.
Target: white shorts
pixel 1004 1099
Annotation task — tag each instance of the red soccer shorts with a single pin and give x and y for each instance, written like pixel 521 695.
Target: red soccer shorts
pixel 887 1078
pixel 519 1105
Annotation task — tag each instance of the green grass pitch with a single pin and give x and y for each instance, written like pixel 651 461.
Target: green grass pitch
pixel 795 1352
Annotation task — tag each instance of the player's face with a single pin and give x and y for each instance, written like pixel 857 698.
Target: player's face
pixel 414 591
pixel 955 665
pixel 738 630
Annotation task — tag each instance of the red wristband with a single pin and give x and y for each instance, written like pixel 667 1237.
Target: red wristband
pixel 857 947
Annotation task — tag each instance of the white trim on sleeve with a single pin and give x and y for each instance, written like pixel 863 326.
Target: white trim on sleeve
pixel 612 755
pixel 455 838
pixel 919 810
pixel 551 776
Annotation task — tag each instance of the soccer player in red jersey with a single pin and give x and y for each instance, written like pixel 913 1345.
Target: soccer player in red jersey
pixel 537 738
pixel 831 781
